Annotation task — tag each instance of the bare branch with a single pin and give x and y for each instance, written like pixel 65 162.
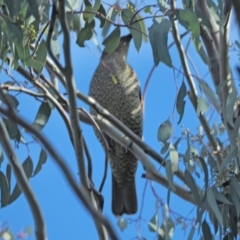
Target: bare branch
pixel 80 192
pixel 193 91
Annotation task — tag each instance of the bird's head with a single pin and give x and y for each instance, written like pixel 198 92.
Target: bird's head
pixel 122 48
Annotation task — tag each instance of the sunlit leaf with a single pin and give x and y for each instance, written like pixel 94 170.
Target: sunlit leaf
pixel 122 224
pixel 164 131
pixel 202 106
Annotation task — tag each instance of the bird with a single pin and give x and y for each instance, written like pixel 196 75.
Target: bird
pixel 115 87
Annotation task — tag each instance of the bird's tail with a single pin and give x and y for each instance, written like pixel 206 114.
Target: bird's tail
pixel 124 199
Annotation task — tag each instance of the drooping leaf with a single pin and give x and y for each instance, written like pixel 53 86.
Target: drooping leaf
pixel 85 33
pixel 135 29
pixel 231 100
pixel 28 169
pixel 189 17
pixel 220 196
pixel 41 55
pixel 111 15
pixel 165 147
pixel 174 158
pixel 158 36
pixel 213 205
pixel 169 174
pixel 112 41
pixel 202 106
pixel 206 230
pixel 192 185
pixel 42 160
pixel 10 99
pixel 12 128
pixel 103 13
pixel 235 199
pixel 205 170
pixel 4 190
pixel 180 101
pixel 164 131
pixel 42 116
pixel 210 95
pixel 235 184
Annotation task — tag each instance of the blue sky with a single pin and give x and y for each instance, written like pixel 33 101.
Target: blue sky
pixel 65 216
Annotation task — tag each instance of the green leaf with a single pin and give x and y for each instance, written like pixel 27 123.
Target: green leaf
pixel 55 47
pixel 165 147
pixel 210 95
pixel 231 100
pixel 11 127
pixel 202 106
pixel 180 101
pixel 205 170
pixel 4 190
pixel 213 205
pixel 235 199
pixel 103 13
pixel 153 223
pixel 169 174
pixel 206 230
pixel 111 15
pixel 72 5
pixel 163 5
pixel 28 169
pixel 94 9
pixel 220 197
pixel 9 99
pixel 192 185
pixel 86 33
pixel 112 41
pixel 42 160
pixel 135 29
pixel 164 131
pixel 122 224
pixel 235 184
pixel 42 116
pixel 41 55
pixel 158 35
pixel 174 158
pixel 148 9
pixel 191 18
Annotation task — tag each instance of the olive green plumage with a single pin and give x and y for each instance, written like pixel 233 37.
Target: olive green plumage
pixel 115 86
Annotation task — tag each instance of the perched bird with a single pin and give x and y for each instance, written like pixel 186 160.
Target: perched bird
pixel 115 86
